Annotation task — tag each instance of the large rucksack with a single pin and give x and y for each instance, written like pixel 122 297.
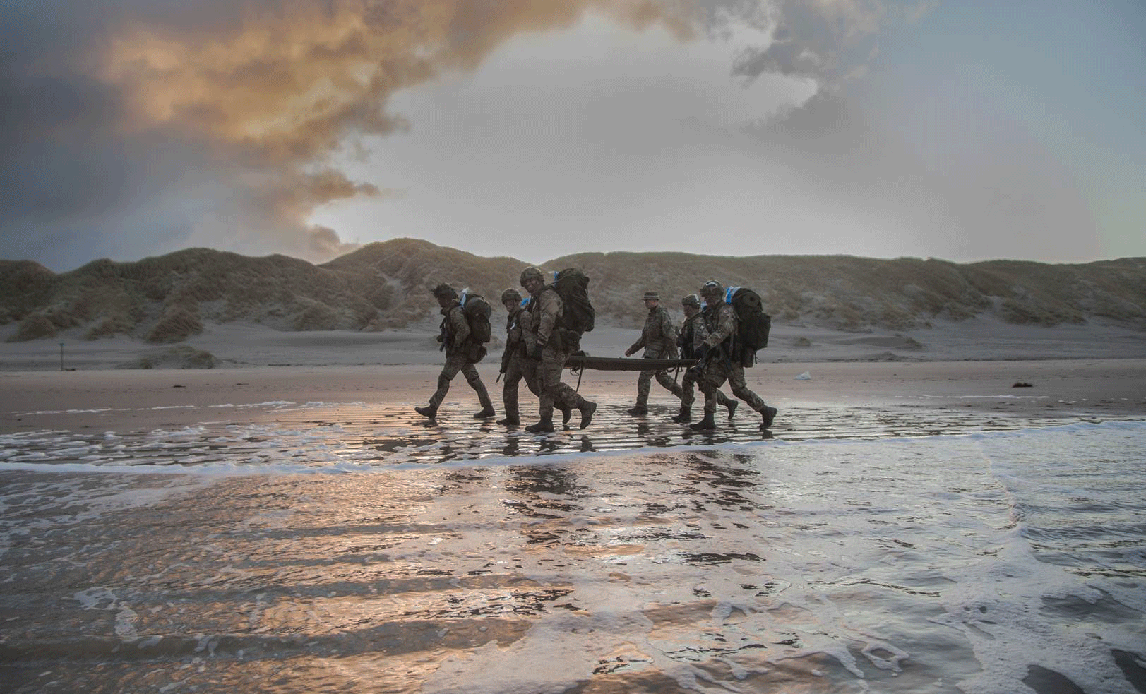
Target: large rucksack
pixel 476 310
pixel 753 325
pixel 577 313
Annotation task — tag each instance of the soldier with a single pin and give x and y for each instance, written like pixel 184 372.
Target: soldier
pixel 692 334
pixel 720 360
pixel 458 348
pixel 514 357
pixel 549 348
pixel 658 338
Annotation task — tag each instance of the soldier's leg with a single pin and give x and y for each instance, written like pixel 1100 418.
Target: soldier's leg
pixel 710 383
pixel 740 389
pixel 566 398
pixel 687 397
pixel 509 391
pixel 644 385
pixel 452 367
pixel 474 379
pixel 669 384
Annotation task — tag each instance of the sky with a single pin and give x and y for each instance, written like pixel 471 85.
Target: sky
pixel 965 131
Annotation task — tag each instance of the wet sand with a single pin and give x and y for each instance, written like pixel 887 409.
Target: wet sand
pixel 627 557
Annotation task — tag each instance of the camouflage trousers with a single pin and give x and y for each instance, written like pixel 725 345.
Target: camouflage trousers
pixel 645 384
pixel 688 390
pixel 715 374
pixel 546 374
pixel 515 372
pixel 454 364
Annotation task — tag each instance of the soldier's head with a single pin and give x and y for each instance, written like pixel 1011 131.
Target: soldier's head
pixel 652 299
pixel 445 294
pixel 510 298
pixel 532 280
pixel 690 304
pixel 713 292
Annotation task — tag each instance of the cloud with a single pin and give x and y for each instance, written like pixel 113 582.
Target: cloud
pixel 158 125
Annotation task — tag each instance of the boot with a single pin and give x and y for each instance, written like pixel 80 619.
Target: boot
pixel 706 424
pixel 732 405
pixel 429 411
pixel 684 417
pixel 509 421
pixel 767 415
pixel 543 426
pixel 638 410
pixel 566 414
pixel 587 411
pixel 485 413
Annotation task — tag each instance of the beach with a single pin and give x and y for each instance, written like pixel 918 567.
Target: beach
pixel 905 526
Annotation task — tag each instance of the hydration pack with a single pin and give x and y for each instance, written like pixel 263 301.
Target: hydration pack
pixel 753 324
pixel 577 313
pixel 476 310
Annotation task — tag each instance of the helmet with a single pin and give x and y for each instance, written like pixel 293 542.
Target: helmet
pixel 712 288
pixel 511 294
pixel 531 273
pixel 691 300
pixel 444 290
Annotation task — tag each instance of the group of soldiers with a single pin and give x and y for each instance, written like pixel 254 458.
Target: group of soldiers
pixel 536 349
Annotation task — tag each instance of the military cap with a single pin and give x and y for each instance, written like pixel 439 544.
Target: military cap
pixel 712 288
pixel 445 290
pixel 652 296
pixel 511 294
pixel 691 300
pixel 531 273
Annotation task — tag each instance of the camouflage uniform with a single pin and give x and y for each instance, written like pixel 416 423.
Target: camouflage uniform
pixel 658 339
pixel 544 310
pixel 692 334
pixel 720 323
pixel 455 331
pixel 513 362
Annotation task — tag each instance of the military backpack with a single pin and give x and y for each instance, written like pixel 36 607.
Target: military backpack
pixel 577 312
pixel 477 311
pixel 753 325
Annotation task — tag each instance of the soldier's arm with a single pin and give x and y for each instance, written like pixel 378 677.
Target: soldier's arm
pixel 725 326
pixel 459 325
pixel 668 329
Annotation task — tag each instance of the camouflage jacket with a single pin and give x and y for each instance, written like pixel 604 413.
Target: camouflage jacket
pixel 720 324
pixel 455 329
pixel 658 338
pixel 692 334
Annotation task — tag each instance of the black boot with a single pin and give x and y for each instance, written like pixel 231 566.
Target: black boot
pixel 587 411
pixel 706 424
pixel 566 415
pixel 684 417
pixel 543 426
pixel 509 421
pixel 732 405
pixel 428 411
pixel 638 410
pixel 767 416
pixel 486 413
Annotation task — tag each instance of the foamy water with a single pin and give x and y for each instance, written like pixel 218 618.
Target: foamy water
pixel 862 551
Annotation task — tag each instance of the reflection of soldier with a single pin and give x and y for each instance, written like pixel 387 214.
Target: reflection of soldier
pixel 658 339
pixel 720 362
pixel 454 339
pixel 513 358
pixel 550 347
pixel 692 334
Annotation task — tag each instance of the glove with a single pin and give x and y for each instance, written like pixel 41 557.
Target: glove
pixel 535 353
pixel 629 352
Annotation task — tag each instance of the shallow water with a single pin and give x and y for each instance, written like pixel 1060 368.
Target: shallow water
pixel 1003 555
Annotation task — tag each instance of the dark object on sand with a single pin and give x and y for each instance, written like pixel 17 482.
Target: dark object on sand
pixel 1022 384
pixel 580 361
